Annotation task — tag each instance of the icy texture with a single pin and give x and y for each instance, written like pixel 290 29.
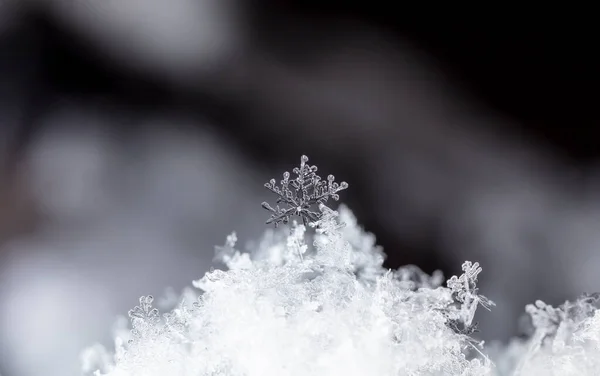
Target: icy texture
pixel 565 341
pixel 301 304
pixel 304 302
pixel 322 304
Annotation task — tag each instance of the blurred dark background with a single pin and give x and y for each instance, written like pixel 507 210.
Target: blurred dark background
pixel 136 135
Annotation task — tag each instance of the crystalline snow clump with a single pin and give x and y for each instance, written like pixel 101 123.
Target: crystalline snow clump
pixel 304 302
pixel 296 307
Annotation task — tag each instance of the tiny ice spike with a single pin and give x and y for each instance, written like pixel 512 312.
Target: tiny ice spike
pixel 301 193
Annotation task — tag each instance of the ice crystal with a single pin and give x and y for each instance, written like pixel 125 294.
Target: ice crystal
pixel 465 293
pixel 300 194
pixel 565 340
pixel 320 303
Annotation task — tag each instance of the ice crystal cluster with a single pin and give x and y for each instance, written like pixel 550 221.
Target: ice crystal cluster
pixel 313 299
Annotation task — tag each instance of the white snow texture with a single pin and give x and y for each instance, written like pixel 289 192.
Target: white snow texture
pixel 303 302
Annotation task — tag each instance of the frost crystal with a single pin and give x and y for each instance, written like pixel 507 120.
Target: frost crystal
pixel 301 193
pixel 465 291
pixel 327 307
pixel 565 340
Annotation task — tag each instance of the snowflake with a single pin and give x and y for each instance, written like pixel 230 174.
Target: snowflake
pixel 465 292
pixel 143 317
pixel 547 320
pixel 144 311
pixel 301 193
